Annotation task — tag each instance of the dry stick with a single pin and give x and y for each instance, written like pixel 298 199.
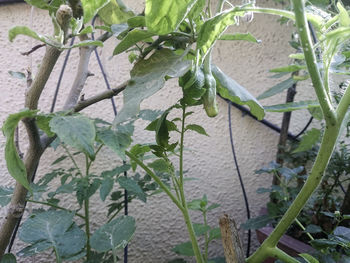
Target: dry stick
pixel 231 242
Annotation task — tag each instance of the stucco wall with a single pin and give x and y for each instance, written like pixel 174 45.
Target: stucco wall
pixel 159 224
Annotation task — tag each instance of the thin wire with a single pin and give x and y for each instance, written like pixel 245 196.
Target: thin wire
pixel 239 175
pixel 305 128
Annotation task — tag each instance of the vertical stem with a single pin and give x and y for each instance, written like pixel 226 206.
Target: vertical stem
pixel 206 238
pixel 87 219
pixel 195 246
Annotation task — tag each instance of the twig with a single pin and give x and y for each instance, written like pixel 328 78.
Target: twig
pixel 32 50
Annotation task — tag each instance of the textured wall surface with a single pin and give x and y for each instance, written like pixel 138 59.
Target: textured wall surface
pixel 159 224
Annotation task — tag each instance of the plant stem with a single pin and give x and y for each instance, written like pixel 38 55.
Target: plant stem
pixel 86 210
pixel 206 238
pixel 303 228
pixel 55 206
pixel 195 246
pixel 156 179
pixel 281 255
pixel 72 158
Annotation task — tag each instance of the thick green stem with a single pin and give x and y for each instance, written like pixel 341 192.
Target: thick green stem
pixel 315 177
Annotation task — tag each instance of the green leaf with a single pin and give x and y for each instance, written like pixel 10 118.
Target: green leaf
pixel 118 142
pixel 195 205
pixel 8 258
pixel 52 229
pixel 213 206
pixel 43 122
pixel 159 165
pixel 290 68
pixel 240 36
pixel 17 74
pixel 316 113
pixel 77 131
pixel 184 249
pixel 300 56
pixel 313 229
pixel 200 229
pixel 23 30
pixel 292 106
pixel 5 195
pixel 212 29
pixel 91 7
pixel 230 89
pixel 14 163
pixel 106 187
pixel 286 84
pixel 131 186
pixel 308 258
pixel 136 21
pixel 309 139
pixel 257 222
pixel 344 19
pixel 197 9
pixel 114 234
pixel 148 77
pixel 115 12
pixel 133 36
pixel 197 128
pixel 163 17
pixel 214 233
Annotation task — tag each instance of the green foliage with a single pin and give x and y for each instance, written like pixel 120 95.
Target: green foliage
pixel 5 195
pixel 92 7
pixel 284 85
pixel 308 140
pixel 163 17
pixel 113 235
pixel 133 36
pixel 76 131
pixel 14 163
pixel 52 229
pixel 240 36
pixel 292 106
pixel 8 258
pixel 115 12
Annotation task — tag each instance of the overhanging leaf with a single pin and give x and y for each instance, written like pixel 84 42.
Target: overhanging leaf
pixel 148 77
pixel 292 106
pixel 23 30
pixel 240 36
pixel 163 17
pixel 52 229
pixel 212 29
pixel 131 39
pixel 116 141
pixel 230 89
pixel 77 131
pixel 5 195
pixel 14 164
pixel 286 84
pixel 91 7
pixel 115 12
pixel 114 234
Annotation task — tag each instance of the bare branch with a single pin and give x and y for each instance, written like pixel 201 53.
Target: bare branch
pixel 32 50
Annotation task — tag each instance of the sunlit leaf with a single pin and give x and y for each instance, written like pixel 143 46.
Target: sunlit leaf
pixel 292 106
pixel 91 7
pixel 115 12
pixel 240 36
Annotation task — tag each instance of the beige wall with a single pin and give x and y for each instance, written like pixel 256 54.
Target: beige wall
pixel 159 224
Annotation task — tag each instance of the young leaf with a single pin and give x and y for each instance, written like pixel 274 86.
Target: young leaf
pixel 14 164
pixel 197 128
pixel 159 165
pixel 133 36
pixel 148 77
pixel 17 74
pixel 115 12
pixel 344 19
pixel 240 36
pixel 85 43
pixel 23 30
pixel 184 249
pixel 131 186
pixel 8 258
pixel 313 229
pixel 106 187
pixel 91 7
pixel 76 131
pixel 5 195
pixel 230 89
pixel 52 229
pixel 43 122
pixel 163 17
pixel 286 84
pixel 200 229
pixel 290 68
pixel 114 234
pixel 212 29
pixel 214 233
pixel 136 21
pixel 118 142
pixel 292 106
pixel 308 140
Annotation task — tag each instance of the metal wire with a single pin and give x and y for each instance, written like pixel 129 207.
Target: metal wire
pixel 239 175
